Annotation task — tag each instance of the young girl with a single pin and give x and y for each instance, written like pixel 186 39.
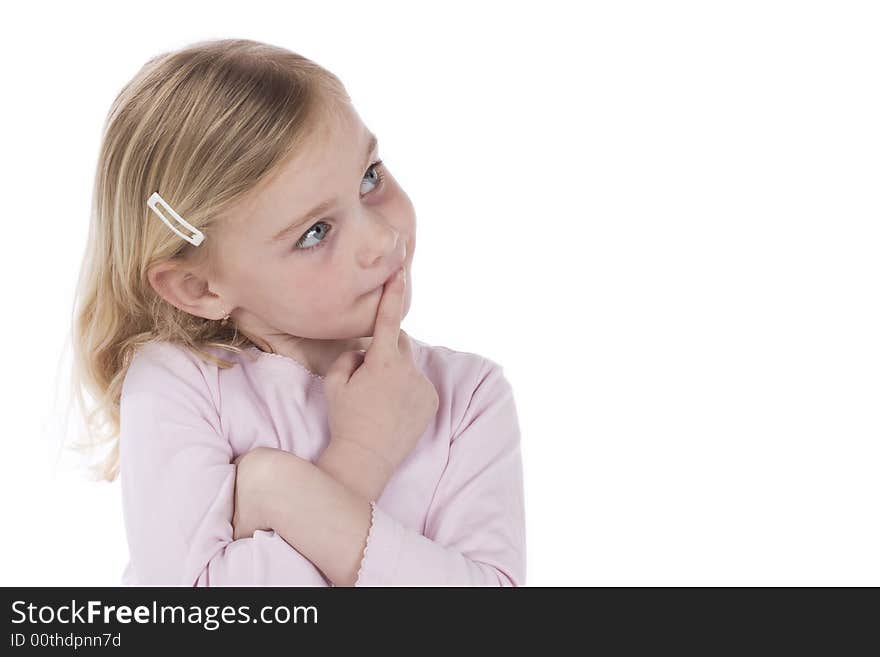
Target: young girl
pixel 238 326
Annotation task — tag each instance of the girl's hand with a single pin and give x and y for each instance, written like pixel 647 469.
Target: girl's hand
pixel 251 476
pixel 379 402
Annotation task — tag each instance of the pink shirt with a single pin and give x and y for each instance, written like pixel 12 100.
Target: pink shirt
pixel 452 514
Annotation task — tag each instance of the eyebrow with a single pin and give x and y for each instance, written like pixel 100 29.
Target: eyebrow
pixel 324 205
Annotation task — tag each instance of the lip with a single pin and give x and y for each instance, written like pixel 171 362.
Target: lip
pixel 379 287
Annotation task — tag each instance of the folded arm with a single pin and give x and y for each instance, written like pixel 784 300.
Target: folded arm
pixel 178 483
pixel 475 532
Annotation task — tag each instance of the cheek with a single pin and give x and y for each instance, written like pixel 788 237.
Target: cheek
pixel 327 299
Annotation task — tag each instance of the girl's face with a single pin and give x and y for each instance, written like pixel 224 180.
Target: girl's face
pixel 309 254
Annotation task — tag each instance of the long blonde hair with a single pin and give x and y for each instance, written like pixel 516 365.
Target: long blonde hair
pixel 205 126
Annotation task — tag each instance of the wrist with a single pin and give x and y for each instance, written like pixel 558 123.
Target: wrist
pixel 356 467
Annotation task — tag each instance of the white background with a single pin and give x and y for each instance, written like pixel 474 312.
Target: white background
pixel 660 218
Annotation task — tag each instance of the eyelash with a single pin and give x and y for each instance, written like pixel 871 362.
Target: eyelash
pixel 377 165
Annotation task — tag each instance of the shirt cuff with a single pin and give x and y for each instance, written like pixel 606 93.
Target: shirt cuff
pixel 382 550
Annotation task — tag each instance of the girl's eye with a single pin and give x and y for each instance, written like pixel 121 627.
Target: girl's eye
pixel 321 228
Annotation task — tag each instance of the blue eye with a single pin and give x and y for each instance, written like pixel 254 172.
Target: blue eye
pixel 321 228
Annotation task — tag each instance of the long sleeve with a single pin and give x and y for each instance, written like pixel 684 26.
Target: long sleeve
pixel 475 529
pixel 177 484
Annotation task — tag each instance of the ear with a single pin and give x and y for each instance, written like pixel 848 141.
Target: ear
pixel 184 287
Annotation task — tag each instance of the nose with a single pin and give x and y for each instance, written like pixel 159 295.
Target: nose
pixel 382 244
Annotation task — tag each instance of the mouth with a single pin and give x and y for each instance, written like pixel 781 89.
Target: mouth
pixel 381 285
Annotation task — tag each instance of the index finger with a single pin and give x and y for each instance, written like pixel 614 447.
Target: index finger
pixel 387 327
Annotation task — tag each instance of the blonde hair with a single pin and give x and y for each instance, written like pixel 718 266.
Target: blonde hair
pixel 204 126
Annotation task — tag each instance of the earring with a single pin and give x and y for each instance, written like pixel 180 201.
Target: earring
pixel 224 320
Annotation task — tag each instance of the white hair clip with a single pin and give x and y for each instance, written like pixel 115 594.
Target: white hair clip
pixel 195 239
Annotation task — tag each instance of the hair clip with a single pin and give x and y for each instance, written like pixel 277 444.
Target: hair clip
pixel 195 239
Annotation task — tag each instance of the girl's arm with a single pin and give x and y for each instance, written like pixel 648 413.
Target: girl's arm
pixel 475 528
pixel 351 465
pixel 325 520
pixel 178 481
pixel 272 474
